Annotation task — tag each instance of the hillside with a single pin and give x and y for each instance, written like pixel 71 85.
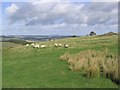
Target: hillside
pixel 27 67
pixel 109 34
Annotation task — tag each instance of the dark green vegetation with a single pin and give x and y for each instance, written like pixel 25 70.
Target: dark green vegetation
pixel 16 41
pixel 25 67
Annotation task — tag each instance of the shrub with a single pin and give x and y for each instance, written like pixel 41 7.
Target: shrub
pixel 74 36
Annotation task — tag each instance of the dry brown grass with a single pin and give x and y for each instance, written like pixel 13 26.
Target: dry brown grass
pixel 94 63
pixel 65 56
pixel 110 69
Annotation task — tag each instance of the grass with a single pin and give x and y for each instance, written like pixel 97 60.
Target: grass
pixel 26 67
pixel 94 63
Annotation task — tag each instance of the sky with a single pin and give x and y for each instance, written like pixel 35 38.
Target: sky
pixel 52 17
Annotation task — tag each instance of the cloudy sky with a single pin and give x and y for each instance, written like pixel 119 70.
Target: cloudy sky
pixel 59 18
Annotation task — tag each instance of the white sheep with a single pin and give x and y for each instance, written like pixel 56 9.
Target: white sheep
pixel 33 44
pixel 56 45
pixel 27 45
pixel 66 46
pixel 51 39
pixel 43 46
pixel 37 46
pixel 60 45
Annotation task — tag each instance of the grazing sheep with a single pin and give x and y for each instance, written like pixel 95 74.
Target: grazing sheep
pixel 37 46
pixel 51 39
pixel 27 45
pixel 43 46
pixel 33 44
pixel 60 45
pixel 56 45
pixel 66 46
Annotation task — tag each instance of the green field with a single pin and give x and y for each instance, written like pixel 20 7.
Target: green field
pixel 27 67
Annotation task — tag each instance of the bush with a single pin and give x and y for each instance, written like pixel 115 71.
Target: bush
pixel 74 36
pixel 92 33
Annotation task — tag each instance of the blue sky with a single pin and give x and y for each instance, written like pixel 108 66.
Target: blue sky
pixel 58 18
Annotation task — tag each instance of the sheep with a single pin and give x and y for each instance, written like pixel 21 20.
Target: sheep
pixel 33 44
pixel 51 39
pixel 56 45
pixel 60 45
pixel 66 46
pixel 43 46
pixel 37 46
pixel 27 45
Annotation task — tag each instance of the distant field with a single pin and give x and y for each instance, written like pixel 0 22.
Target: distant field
pixel 27 67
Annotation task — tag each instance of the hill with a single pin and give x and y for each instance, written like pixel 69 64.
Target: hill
pixel 27 67
pixel 109 34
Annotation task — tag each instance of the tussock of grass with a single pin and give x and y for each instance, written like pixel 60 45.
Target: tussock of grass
pixel 110 69
pixel 94 63
pixel 65 56
pixel 92 70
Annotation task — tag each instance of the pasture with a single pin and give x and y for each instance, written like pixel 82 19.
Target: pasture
pixel 27 67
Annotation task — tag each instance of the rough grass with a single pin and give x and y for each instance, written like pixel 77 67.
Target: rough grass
pixel 26 67
pixel 94 63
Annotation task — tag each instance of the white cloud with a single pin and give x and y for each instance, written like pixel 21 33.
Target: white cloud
pixel 56 12
pixel 63 16
pixel 12 9
pixel 46 13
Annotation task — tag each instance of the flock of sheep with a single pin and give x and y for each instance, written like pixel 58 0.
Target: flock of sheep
pixel 44 46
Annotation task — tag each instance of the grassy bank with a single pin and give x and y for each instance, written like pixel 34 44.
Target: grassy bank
pixel 26 67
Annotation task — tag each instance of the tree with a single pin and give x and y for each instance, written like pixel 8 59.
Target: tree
pixel 92 33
